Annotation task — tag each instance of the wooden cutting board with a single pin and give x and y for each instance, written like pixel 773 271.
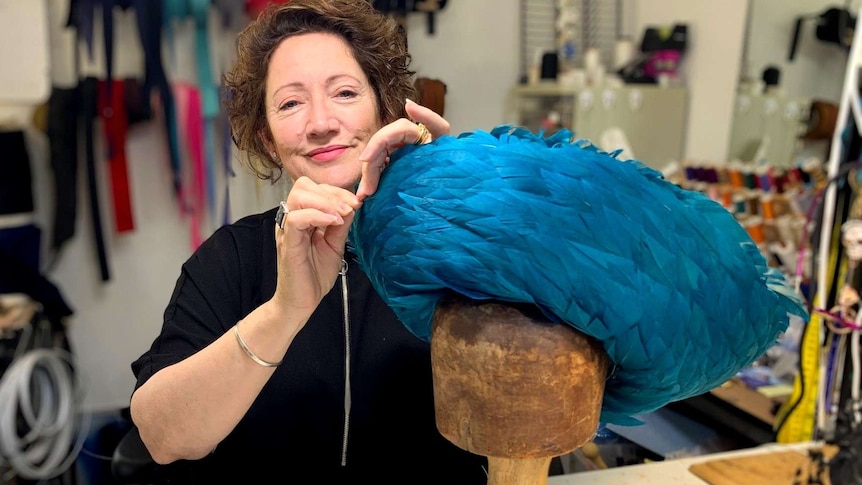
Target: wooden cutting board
pixel 776 468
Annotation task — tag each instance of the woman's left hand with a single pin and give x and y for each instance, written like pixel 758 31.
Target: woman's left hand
pixel 393 136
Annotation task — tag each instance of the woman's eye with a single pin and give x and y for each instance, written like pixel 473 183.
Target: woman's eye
pixel 346 93
pixel 288 105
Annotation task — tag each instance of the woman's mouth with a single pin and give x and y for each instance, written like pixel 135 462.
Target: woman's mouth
pixel 327 154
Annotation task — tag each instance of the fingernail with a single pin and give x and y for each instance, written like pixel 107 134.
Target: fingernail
pixel 411 101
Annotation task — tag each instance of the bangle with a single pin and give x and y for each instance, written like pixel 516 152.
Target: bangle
pixel 249 353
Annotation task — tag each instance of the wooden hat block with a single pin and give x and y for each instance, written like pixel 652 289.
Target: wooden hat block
pixel 513 387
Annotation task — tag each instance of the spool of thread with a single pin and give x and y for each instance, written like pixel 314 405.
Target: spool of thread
pixel 722 175
pixel 712 175
pixel 754 226
pixel 740 207
pixel 713 193
pixel 726 197
pixel 767 207
pixel 690 173
pixel 764 179
pixel 752 201
pixel 749 179
pixel 736 179
pixel 779 180
pixel 695 173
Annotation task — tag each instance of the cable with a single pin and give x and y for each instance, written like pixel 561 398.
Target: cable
pixel 39 391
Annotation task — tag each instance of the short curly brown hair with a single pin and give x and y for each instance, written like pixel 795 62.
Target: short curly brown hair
pixel 377 42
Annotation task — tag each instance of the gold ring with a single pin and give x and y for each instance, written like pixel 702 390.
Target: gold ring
pixel 424 135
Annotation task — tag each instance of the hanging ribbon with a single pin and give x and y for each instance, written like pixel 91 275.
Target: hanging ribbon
pixel 82 19
pixel 63 108
pixel 198 11
pixel 209 94
pixel 112 109
pixel 190 111
pixel 89 101
pixel 149 15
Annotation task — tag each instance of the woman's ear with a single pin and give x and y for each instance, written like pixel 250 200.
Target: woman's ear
pixel 268 144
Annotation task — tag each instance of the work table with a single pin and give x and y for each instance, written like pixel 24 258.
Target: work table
pixel 677 471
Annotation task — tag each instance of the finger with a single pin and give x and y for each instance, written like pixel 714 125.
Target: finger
pixel 436 124
pixel 306 194
pixel 335 236
pixel 388 139
pixel 317 205
pixel 306 219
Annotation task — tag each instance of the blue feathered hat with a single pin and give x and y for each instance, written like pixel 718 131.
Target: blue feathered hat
pixel 667 279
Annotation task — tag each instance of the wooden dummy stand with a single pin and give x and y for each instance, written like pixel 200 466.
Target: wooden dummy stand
pixel 513 387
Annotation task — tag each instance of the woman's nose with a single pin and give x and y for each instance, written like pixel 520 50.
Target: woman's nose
pixel 322 120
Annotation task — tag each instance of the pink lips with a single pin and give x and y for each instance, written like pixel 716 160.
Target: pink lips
pixel 327 154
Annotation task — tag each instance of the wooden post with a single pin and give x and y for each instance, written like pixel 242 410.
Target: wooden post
pixel 514 387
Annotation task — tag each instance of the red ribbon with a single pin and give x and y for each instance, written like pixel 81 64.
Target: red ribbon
pixel 112 111
pixel 190 117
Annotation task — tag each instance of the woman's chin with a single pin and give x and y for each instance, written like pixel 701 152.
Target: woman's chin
pixel 335 176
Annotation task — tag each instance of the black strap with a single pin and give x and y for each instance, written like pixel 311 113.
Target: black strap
pixel 150 16
pixel 89 100
pixel 63 109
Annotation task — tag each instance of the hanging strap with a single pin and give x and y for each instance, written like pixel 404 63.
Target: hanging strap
pixel 82 18
pixel 63 109
pixel 112 109
pixel 191 113
pixel 208 89
pixel 150 18
pixel 81 13
pixel 89 100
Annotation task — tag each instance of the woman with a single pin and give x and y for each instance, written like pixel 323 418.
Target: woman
pixel 265 368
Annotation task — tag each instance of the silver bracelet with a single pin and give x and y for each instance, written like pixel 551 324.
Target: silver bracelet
pixel 249 353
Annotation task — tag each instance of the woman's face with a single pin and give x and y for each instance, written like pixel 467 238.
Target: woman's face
pixel 320 108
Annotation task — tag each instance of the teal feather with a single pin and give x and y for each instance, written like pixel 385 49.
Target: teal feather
pixel 670 283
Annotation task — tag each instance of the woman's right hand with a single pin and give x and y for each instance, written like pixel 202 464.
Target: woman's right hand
pixel 310 244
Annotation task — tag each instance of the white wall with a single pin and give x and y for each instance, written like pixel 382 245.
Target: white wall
pixel 475 54
pixel 817 72
pixel 710 65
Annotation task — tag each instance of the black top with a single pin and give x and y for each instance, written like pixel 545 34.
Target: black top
pixel 294 430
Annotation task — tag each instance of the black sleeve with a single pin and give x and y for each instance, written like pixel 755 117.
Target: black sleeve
pixel 206 302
